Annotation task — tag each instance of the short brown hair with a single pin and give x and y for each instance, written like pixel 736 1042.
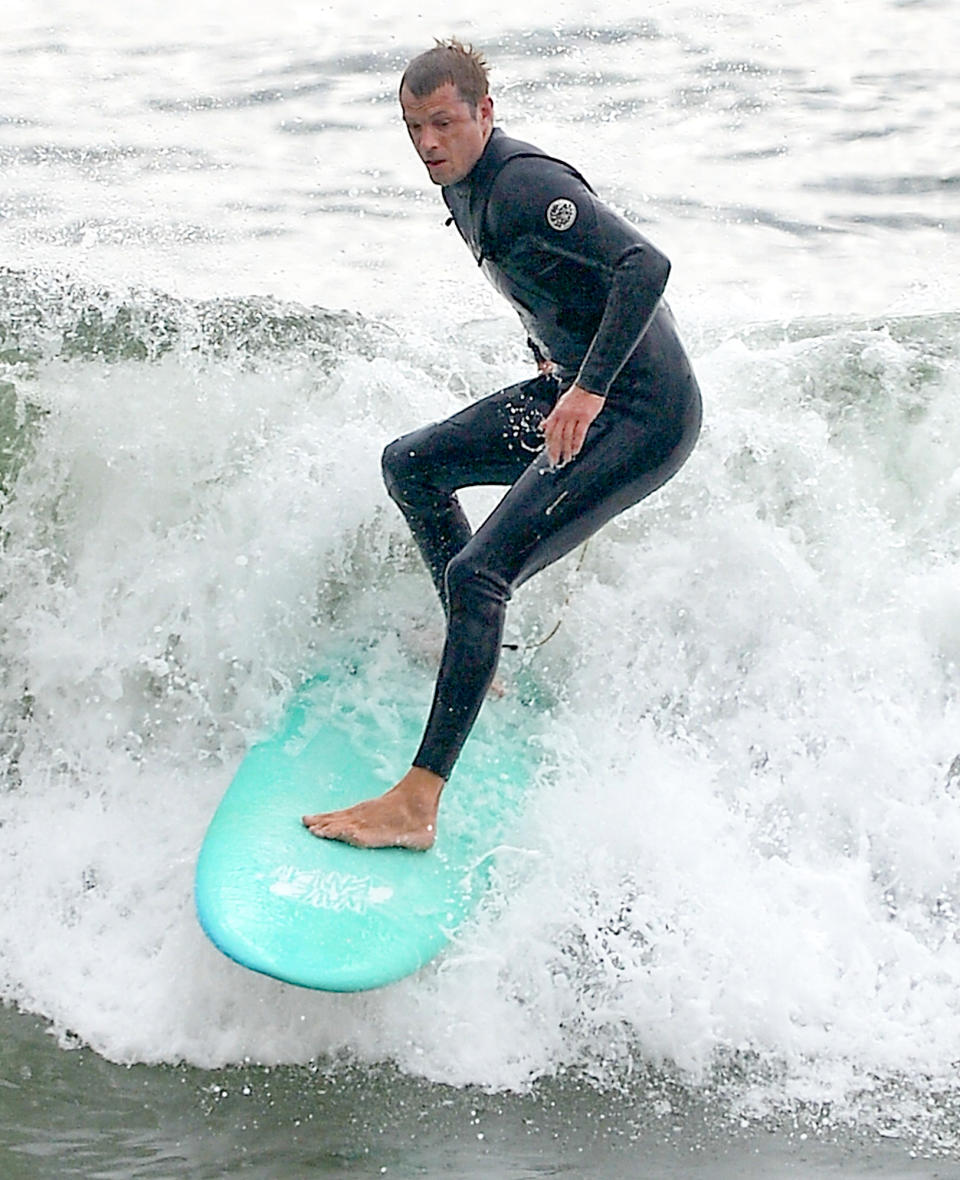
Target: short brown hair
pixel 448 61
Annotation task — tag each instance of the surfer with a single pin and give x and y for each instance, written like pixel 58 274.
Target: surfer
pixel 612 414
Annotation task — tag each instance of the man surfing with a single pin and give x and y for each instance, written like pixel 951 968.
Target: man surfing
pixel 611 416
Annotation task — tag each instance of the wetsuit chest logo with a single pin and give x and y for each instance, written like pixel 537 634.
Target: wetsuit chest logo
pixel 561 214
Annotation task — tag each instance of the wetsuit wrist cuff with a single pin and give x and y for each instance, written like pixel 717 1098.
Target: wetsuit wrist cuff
pixel 590 386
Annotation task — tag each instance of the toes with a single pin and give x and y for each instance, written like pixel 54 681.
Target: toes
pixel 341 836
pixel 325 829
pixel 321 820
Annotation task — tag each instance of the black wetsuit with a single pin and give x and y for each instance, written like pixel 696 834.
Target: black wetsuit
pixel 588 289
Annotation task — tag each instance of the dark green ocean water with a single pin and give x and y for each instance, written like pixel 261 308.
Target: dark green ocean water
pixel 67 1113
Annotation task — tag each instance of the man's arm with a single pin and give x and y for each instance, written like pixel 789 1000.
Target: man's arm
pixel 579 249
pixel 543 202
pixel 638 283
pixel 639 278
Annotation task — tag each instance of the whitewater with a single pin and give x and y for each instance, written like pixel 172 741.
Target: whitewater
pixel 224 287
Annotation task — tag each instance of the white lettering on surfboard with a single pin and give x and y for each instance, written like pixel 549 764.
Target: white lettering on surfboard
pixel 328 890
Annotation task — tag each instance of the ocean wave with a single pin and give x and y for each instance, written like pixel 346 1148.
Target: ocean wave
pixel 45 316
pixel 750 707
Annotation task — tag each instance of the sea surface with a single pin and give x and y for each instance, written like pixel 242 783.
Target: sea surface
pixel 726 941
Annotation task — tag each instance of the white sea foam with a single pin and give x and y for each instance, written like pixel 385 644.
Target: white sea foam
pixel 741 841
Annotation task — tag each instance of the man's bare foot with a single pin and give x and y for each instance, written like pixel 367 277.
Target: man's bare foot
pixel 405 817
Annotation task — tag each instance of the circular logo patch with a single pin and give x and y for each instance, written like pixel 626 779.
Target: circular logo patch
pixel 561 214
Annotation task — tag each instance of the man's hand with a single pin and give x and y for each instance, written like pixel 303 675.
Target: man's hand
pixel 565 427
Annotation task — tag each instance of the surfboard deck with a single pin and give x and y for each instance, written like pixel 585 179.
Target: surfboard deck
pixel 324 915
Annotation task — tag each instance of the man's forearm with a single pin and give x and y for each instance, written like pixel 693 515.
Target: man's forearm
pixel 638 283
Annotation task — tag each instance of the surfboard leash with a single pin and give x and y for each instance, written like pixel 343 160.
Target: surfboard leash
pixel 563 608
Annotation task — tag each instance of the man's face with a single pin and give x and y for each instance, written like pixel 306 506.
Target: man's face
pixel 449 136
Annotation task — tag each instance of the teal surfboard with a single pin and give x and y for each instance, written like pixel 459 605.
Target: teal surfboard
pixel 324 915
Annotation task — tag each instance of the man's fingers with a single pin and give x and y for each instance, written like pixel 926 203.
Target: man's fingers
pixel 580 428
pixel 565 427
pixel 564 447
pixel 564 437
pixel 555 446
pixel 555 431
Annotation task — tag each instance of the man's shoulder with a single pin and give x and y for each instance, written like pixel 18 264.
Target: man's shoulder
pixel 528 164
pixel 535 190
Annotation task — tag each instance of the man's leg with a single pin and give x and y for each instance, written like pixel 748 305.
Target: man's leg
pixel 490 442
pixel 543 516
pixel 547 513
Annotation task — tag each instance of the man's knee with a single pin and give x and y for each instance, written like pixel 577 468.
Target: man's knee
pixel 398 465
pixel 471 587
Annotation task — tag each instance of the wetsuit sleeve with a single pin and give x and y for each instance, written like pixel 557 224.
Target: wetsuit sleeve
pixel 639 278
pixel 596 264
